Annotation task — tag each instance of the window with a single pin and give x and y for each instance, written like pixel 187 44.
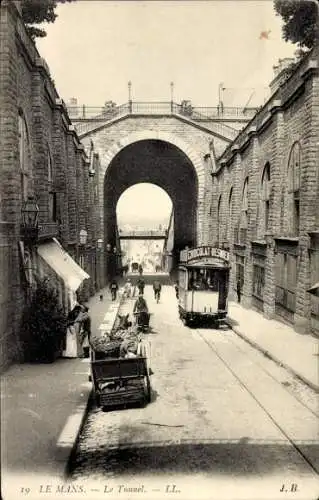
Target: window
pixel 243 225
pixel 265 195
pixel 52 206
pixel 230 214
pixel 240 270
pixel 258 281
pixel 25 160
pixel 205 279
pixel 286 280
pixel 52 199
pixel 219 219
pixel 293 175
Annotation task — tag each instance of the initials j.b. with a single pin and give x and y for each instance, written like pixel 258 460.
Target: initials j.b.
pixel 292 489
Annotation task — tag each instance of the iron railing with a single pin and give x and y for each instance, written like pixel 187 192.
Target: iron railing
pixel 142 234
pixel 85 112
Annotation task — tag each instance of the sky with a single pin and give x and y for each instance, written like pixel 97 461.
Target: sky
pixel 139 204
pixel 95 48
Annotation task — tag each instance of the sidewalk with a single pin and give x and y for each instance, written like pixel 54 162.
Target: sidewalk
pixel 296 352
pixel 43 407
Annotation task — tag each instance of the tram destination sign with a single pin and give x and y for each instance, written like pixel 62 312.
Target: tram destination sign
pixel 204 253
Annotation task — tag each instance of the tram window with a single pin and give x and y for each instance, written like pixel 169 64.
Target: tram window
pixel 204 279
pixel 182 279
pixel 197 280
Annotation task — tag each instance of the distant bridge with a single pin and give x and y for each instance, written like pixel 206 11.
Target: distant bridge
pixel 143 235
pixel 220 118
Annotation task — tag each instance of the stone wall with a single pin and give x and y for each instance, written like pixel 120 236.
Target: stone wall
pixel 57 167
pixel 288 122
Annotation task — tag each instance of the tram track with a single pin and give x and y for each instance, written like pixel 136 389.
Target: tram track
pixel 212 346
pixel 197 371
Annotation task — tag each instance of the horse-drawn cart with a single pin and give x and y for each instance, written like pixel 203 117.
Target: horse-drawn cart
pixel 121 381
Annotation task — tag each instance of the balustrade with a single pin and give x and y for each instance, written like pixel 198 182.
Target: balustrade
pixel 159 108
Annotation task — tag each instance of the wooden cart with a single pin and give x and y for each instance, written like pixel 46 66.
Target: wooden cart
pixel 121 381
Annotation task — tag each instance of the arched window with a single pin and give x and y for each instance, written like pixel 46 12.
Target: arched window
pixel 52 204
pixel 265 195
pixel 219 219
pixel 230 214
pixel 243 226
pixel 293 174
pixel 244 206
pixel 294 168
pixel 24 156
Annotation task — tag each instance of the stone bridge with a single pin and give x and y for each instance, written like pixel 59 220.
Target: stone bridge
pixel 170 150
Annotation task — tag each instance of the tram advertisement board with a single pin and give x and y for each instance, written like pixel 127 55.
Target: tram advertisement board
pixel 203 253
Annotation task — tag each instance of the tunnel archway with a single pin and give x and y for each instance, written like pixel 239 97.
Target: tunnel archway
pixel 161 163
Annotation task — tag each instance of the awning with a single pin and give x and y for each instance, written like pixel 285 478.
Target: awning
pixel 314 290
pixel 63 264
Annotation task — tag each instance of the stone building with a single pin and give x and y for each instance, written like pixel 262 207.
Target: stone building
pixel 265 205
pixel 42 157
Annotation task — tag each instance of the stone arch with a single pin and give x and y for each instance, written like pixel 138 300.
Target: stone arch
pixel 189 152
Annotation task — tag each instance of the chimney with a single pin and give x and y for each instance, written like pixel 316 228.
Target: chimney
pixel 281 72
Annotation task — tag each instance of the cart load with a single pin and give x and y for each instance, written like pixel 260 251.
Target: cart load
pixel 119 368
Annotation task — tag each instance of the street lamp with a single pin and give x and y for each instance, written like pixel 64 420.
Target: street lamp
pixel 172 96
pixel 83 237
pixel 99 244
pixel 29 222
pixel 221 88
pixel 129 85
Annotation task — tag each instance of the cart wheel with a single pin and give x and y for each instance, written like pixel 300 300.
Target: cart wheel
pixel 147 389
pixel 185 321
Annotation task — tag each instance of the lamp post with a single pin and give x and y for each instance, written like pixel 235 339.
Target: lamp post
pixel 172 96
pixel 98 267
pixel 83 234
pixel 29 232
pixel 83 237
pixel 30 221
pixel 129 85
pixel 221 88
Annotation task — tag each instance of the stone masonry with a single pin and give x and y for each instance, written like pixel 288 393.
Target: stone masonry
pixel 283 137
pixel 59 173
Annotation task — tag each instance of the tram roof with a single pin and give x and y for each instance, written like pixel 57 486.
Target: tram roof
pixel 217 265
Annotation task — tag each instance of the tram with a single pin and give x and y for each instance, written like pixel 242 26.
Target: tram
pixel 203 279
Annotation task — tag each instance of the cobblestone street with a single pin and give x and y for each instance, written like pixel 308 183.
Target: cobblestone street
pixel 219 410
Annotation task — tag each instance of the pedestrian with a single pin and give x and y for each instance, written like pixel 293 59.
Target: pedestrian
pixel 86 331
pixel 157 287
pixel 176 290
pixel 238 288
pixel 141 286
pixel 140 309
pixel 113 289
pixel 128 288
pixel 140 269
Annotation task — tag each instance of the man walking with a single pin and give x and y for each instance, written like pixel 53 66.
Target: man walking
pixel 157 287
pixel 113 289
pixel 141 286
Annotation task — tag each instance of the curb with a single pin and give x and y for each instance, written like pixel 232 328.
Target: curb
pixel 82 414
pixel 269 355
pixel 77 433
